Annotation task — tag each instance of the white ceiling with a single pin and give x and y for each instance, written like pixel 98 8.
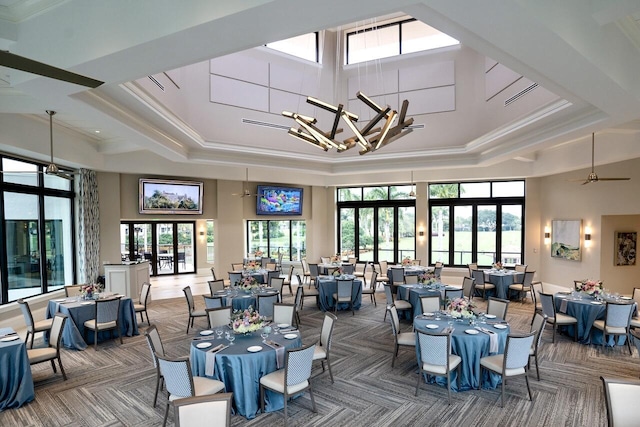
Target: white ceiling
pixel 587 53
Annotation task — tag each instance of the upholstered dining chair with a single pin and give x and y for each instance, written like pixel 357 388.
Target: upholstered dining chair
pixel 265 305
pixel 141 306
pixel 310 291
pixel 212 410
pixel 323 349
pixel 237 267
pixel 523 287
pixel 271 266
pixel 467 287
pixel 273 274
pixel 234 277
pixel 284 313
pixel 429 303
pixel 616 322
pixel 635 321
pixel 512 363
pixel 155 345
pixel 411 279
pixel 450 295
pixel 293 378
pixel 215 286
pixel 436 357
pixel 193 313
pixel 498 307
pixel 480 284
pixel 371 289
pixel 396 278
pixel 343 295
pixel 314 272
pixel 218 316
pixel 361 272
pixel 213 274
pixel 32 327
pixel 554 318
pixel 106 318
pixel 72 290
pixel 622 396
pixel 520 268
pixel 288 280
pixel 348 268
pixel 472 267
pixel 537 326
pixel 181 383
pixel 404 339
pixel 398 304
pixel 437 269
pixel 52 352
pixel 298 304
pixel 383 269
pixel 536 289
pixel 212 302
pixel 277 283
pixel 305 271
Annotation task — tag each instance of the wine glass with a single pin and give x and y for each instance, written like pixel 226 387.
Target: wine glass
pixel 264 335
pixel 219 333
pixel 275 330
pixel 231 338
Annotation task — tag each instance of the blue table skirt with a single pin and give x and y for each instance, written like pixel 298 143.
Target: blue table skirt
pixel 586 313
pixel 410 271
pixel 242 301
pixel 470 348
pixel 502 281
pixel 412 293
pixel 16 382
pixel 240 371
pixel 328 286
pixel 73 333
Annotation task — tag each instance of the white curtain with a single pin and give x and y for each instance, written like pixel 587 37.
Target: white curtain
pixel 88 227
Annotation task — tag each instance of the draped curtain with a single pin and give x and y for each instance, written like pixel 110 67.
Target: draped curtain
pixel 88 227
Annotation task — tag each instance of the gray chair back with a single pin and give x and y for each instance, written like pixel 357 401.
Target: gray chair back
pixel 430 304
pixel 467 287
pixel 189 297
pixel 144 293
pixel 498 307
pixel 437 271
pixel 26 312
pixel 212 302
pixel 215 286
pixel 410 279
pixel 348 268
pixel 274 274
pixel 154 342
pixel 283 313
pixel 434 348
pixel 344 289
pixel 218 316
pixel 618 314
pixel 313 271
pixel 388 294
pixel 298 365
pixel 478 277
pixel 177 376
pixel 397 276
pixel 265 305
pixel 451 294
pixel 548 307
pixel 234 277
pixel 326 333
pixel 537 326
pixel 107 310
pixel 516 353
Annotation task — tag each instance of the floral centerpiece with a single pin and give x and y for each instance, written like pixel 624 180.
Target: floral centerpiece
pixel 338 272
pixel 258 253
pixel 335 259
pixel 427 278
pixel 252 266
pixel 461 308
pixel 246 321
pixel 497 265
pixel 247 284
pixel 590 287
pixel 89 291
pixel 407 261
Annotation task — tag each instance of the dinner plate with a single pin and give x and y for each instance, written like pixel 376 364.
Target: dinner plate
pixel 427 314
pixel 60 300
pixel 432 326
pixel 471 331
pixel 10 338
pixel 204 345
pixel 500 326
pixel 207 332
pixel 627 298
pixel 490 316
pixel 291 336
pixel 282 325
pixel 86 303
pixel 254 349
pixel 561 296
pixel 596 303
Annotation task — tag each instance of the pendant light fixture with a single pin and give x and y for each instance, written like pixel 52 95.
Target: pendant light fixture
pixel 412 193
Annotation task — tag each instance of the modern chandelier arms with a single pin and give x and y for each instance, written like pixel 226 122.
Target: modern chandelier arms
pixel 378 136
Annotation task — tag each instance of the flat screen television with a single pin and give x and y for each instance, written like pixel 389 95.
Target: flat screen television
pixel 169 197
pixel 276 200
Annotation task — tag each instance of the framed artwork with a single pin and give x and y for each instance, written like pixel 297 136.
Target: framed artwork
pixel 625 250
pixel 565 239
pixel 171 197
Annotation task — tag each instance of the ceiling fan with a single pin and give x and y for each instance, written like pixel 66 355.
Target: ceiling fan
pixel 17 62
pixel 245 192
pixel 593 177
pixel 52 168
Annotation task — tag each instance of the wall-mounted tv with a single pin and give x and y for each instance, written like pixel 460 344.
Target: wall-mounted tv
pixel 276 200
pixel 168 197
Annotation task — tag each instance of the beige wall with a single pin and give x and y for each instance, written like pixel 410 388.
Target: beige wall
pixel 622 278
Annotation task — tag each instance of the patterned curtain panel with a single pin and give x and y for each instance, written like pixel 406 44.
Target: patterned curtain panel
pixel 88 227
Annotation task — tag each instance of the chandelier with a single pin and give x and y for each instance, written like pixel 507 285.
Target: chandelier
pixel 369 138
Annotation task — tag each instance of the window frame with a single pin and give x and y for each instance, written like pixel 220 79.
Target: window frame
pixel 268 228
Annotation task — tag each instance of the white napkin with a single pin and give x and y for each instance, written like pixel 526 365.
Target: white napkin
pixel 280 351
pixel 210 360
pixel 563 306
pixel 493 340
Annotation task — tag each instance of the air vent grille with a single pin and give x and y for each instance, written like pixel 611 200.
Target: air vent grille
pixel 153 79
pixel 520 94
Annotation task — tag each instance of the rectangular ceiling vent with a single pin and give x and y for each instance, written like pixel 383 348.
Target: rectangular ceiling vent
pixel 520 94
pixel 153 79
pixel 265 124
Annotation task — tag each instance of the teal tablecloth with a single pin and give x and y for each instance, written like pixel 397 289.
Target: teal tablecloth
pixel 470 348
pixel 413 292
pixel 327 286
pixel 16 383
pixel 241 301
pixel 502 281
pixel 79 312
pixel 240 371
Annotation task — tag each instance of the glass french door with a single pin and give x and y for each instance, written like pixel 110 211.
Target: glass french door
pixel 168 246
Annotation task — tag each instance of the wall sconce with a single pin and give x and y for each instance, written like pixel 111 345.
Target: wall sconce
pixel 421 233
pixel 587 236
pixel 547 235
pixel 202 233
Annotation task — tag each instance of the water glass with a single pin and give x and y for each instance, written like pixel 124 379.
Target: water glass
pixel 437 316
pixel 231 338
pixel 264 335
pixel 275 330
pixel 219 333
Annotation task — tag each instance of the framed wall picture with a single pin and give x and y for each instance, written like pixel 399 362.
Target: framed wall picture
pixel 625 250
pixel 170 197
pixel 565 239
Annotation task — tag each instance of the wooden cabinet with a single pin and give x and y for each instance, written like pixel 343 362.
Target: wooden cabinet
pixel 126 278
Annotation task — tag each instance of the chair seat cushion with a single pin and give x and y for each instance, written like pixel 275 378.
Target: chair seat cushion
pixel 38 355
pixel 610 329
pixel 369 291
pixel 311 292
pixel 275 381
pixel 635 322
pixel 139 307
pixel 454 361
pixel 562 319
pixel 90 324
pixel 42 325
pixel 402 304
pixel 485 286
pixel 520 287
pixel 342 299
pixel 494 363
pixel 382 279
pixel 203 387
pixel 198 313
pixel 319 353
pixel 358 274
pixel 407 338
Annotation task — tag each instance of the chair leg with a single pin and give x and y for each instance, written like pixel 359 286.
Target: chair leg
pixel 553 339
pixel 285 409
pixel 418 382
pixel 166 414
pixel 628 343
pixel 313 401
pixel 449 386
pixel 53 366
pixel 95 339
pixel 537 370
pixel 262 399
pixel 526 378
pixel 155 396
pixel 188 321
pixel 328 366
pixel 502 392
pixel 64 374
pixel 395 353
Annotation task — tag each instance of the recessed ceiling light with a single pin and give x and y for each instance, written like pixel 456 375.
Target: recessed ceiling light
pixel 97 131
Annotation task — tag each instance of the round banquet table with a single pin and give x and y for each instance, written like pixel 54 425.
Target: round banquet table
pixel 240 370
pixel 16 382
pixel 470 348
pixel 328 285
pixel 242 300
pixel 502 279
pixel 413 292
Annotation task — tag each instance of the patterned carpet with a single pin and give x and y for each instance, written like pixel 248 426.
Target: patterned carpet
pixel 114 386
